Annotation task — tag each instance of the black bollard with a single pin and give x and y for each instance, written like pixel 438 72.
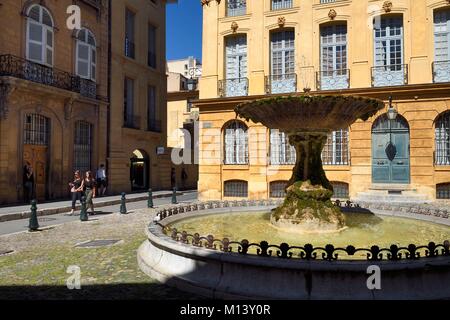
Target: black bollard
pixel 123 206
pixel 34 224
pixel 83 213
pixel 174 196
pixel 150 199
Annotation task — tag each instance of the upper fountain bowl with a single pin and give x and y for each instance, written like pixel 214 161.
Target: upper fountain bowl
pixel 309 112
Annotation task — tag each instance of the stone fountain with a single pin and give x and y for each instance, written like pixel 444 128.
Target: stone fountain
pixel 307 120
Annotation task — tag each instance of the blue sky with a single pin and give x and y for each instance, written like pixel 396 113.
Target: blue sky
pixel 184 29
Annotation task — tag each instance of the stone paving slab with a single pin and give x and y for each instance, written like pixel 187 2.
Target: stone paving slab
pixel 50 208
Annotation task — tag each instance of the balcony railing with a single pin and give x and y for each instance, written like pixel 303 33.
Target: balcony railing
pixel 236 8
pixel 393 75
pixel 154 125
pixel 333 79
pixel 284 83
pixel 17 67
pixel 132 122
pixel 441 71
pixel 233 87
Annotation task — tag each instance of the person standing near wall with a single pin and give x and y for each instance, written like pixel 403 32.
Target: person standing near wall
pixel 28 183
pixel 76 190
pixel 90 190
pixel 101 180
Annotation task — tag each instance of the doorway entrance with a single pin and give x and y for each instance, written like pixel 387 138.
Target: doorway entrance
pixel 139 171
pixel 35 151
pixel 390 151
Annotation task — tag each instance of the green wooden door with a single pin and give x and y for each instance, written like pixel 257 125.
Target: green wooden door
pixel 390 151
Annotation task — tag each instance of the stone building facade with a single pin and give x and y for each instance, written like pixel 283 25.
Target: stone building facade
pixel 382 49
pixel 53 94
pixel 138 157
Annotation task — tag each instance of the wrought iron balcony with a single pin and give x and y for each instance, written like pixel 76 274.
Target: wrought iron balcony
pixel 393 75
pixel 233 87
pixel 17 67
pixel 284 83
pixel 441 71
pixel 154 125
pixel 236 8
pixel 333 79
pixel 132 122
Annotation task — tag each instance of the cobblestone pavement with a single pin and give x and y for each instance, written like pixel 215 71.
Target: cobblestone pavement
pixel 37 267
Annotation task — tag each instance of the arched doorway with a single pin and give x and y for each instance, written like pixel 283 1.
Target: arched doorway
pixel 36 142
pixel 390 150
pixel 139 170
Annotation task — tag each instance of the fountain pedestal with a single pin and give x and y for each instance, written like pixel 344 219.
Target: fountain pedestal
pixel 307 207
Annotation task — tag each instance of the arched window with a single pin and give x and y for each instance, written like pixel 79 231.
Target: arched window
pixel 442 132
pixel 40 40
pixel 236 143
pixel 281 151
pixel 86 63
pixel 82 147
pixel 278 189
pixel 336 151
pixel 236 189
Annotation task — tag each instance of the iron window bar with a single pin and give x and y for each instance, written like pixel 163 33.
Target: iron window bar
pixel 441 71
pixel 333 79
pixel 233 87
pixel 283 83
pixel 389 75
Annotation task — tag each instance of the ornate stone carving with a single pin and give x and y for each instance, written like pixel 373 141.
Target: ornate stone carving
pixel 203 2
pixel 387 6
pixel 234 26
pixel 5 91
pixel 281 21
pixel 332 14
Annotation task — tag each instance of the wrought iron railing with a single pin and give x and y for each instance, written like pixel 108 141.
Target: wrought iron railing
pixel 283 83
pixel 284 250
pixel 233 87
pixel 132 122
pixel 441 71
pixel 333 79
pixel 17 67
pixel 392 75
pixel 154 125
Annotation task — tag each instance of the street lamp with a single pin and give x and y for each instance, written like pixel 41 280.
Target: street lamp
pixel 392 112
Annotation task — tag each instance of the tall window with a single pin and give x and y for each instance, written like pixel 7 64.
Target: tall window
pixel 152 123
pixel 333 61
pixel 236 143
pixel 236 188
pixel 40 35
pixel 389 69
pixel 82 148
pixel 152 46
pixel 281 4
pixel 236 7
pixel 86 64
pixel 281 152
pixel 442 46
pixel 282 53
pixel 36 130
pixel 129 33
pixel 442 138
pixel 236 66
pixel 336 151
pixel 128 109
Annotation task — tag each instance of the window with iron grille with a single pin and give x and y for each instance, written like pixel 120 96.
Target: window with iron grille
pixel 336 151
pixel 442 137
pixel 236 188
pixel 236 143
pixel 277 189
pixel 281 151
pixel 82 147
pixel 36 130
pixel 341 190
pixel 443 191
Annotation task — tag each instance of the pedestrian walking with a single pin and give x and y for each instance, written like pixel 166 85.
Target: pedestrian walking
pixel 102 182
pixel 28 183
pixel 90 187
pixel 76 190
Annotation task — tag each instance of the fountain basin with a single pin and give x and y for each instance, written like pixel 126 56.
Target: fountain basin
pixel 212 271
